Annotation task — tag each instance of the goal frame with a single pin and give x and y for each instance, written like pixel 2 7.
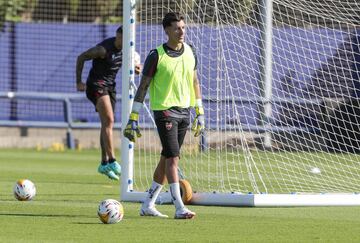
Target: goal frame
pixel 127 191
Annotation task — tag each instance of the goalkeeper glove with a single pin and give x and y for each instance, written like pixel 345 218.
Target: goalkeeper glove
pixel 198 125
pixel 132 129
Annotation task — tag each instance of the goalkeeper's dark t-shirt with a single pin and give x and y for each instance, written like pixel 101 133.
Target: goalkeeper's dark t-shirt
pixel 149 70
pixel 103 71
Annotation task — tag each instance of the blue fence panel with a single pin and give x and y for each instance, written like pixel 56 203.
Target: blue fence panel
pixel 297 54
pixel 5 59
pixel 46 61
pixel 7 73
pixel 356 64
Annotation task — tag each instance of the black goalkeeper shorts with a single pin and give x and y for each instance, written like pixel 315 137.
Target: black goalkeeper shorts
pixel 93 93
pixel 172 132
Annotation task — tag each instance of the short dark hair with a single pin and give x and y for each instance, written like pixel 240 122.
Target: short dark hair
pixel 119 29
pixel 171 17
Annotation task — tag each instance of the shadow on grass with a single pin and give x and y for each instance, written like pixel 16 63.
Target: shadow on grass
pixel 60 197
pixel 87 223
pixel 77 194
pixel 45 215
pixel 68 182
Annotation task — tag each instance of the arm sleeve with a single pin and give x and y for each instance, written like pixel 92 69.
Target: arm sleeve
pixel 150 64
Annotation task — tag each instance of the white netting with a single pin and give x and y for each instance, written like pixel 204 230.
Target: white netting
pixel 314 127
pixel 313 121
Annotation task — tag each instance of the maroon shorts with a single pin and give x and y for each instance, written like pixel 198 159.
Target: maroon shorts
pixel 93 93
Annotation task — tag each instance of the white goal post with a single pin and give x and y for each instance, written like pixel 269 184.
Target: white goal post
pixel 281 88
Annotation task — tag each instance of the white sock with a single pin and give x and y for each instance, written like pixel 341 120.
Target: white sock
pixel 152 194
pixel 175 195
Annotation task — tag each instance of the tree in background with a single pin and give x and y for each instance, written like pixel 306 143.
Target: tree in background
pixel 16 10
pixel 3 8
pixel 60 11
pixel 86 11
pixel 54 11
pixel 96 11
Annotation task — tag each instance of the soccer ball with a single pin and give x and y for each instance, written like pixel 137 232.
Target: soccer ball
pixel 110 211
pixel 137 58
pixel 24 190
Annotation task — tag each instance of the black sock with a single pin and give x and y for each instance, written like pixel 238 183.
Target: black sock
pixel 104 162
pixel 112 160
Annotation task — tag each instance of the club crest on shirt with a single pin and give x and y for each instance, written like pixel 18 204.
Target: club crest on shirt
pixel 168 125
pixel 166 113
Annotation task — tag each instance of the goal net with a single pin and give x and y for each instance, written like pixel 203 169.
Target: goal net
pixel 280 84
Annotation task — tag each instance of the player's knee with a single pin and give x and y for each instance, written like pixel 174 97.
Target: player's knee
pixel 108 122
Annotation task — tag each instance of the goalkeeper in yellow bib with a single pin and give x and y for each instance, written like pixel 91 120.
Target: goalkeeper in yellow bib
pixel 170 71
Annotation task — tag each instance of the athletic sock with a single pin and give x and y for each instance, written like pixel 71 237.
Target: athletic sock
pixel 175 195
pixel 152 194
pixel 112 160
pixel 104 162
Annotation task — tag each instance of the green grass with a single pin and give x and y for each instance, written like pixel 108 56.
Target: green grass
pixel 69 190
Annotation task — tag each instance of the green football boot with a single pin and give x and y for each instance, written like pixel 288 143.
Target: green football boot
pixel 106 170
pixel 115 167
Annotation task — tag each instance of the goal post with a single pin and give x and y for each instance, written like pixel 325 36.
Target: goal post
pixel 127 94
pixel 281 102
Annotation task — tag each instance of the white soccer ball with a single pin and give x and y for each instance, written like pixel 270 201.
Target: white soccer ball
pixel 110 211
pixel 315 170
pixel 137 59
pixel 24 190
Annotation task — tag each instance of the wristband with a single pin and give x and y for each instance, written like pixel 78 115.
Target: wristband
pixel 199 103
pixel 136 107
pixel 134 116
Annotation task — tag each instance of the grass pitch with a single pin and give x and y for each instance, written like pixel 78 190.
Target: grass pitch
pixel 69 190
